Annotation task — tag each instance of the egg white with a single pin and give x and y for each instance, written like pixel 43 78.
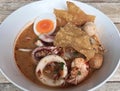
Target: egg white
pixel 43 16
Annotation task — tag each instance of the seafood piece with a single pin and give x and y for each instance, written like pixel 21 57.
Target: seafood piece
pixel 90 28
pixel 47 38
pixel 70 53
pixel 43 51
pixel 38 43
pixel 28 38
pixel 79 71
pixel 25 50
pixel 52 61
pixel 96 62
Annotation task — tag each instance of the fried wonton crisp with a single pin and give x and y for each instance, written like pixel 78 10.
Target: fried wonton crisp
pixel 73 15
pixel 72 36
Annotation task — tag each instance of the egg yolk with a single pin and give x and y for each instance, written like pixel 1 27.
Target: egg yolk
pixel 45 26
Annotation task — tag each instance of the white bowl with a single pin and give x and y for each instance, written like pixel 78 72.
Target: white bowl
pixel 13 24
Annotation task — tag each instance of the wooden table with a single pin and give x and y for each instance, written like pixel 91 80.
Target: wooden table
pixel 110 7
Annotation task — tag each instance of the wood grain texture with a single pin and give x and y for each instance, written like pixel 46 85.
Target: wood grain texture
pixel 109 87
pixel 112 10
pixel 106 87
pixel 100 1
pixel 3 79
pixel 9 87
pixel 18 1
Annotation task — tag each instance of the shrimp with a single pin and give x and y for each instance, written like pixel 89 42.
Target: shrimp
pixel 79 71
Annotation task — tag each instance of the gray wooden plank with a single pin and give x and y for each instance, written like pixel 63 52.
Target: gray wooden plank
pixel 100 1
pixel 108 1
pixel 9 87
pixel 116 76
pixel 112 10
pixel 118 26
pixel 3 79
pixel 109 87
pixel 9 1
pixel 11 6
pixel 103 6
pixel 105 87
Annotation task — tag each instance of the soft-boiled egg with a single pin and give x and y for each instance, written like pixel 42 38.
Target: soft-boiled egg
pixel 47 80
pixel 45 24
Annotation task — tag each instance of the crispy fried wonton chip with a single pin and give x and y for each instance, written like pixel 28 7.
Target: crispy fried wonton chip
pixel 72 36
pixel 80 17
pixel 73 15
pixel 62 17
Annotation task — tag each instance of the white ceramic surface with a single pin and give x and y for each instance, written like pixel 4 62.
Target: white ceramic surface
pixel 13 24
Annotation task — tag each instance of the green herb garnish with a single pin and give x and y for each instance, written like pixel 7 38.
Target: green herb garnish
pixel 61 65
pixel 79 73
pixel 75 54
